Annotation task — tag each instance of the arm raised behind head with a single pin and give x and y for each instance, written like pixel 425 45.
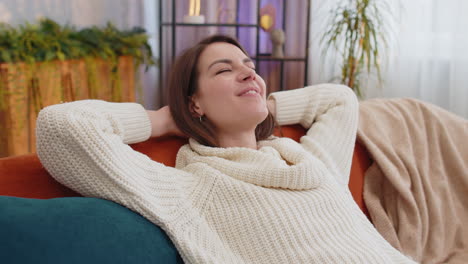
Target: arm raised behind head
pixel 162 123
pixel 329 112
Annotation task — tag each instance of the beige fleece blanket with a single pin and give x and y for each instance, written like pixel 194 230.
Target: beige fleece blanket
pixel 416 190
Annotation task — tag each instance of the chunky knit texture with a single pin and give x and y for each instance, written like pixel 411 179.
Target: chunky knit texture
pixel 286 202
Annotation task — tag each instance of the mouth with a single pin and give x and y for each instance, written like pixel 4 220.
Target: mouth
pixel 250 91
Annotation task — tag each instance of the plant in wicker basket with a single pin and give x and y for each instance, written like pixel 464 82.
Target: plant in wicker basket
pixel 47 63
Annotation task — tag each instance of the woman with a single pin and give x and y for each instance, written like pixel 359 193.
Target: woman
pixel 237 194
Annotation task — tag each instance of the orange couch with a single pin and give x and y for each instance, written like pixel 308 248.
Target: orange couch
pixel 24 176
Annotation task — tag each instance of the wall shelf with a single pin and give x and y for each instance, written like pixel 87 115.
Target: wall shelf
pixel 269 58
pixel 292 17
pixel 209 25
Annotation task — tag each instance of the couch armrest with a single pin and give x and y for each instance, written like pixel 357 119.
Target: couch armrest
pixel 24 176
pixel 361 162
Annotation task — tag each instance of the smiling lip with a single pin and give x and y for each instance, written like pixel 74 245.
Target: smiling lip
pixel 246 91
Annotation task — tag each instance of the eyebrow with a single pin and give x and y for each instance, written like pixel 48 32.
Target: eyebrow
pixel 228 61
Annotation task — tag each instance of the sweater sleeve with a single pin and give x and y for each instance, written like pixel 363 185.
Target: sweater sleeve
pixel 83 145
pixel 330 113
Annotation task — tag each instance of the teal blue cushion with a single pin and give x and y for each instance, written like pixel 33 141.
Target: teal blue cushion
pixel 79 230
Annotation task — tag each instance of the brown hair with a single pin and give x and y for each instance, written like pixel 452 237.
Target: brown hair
pixel 183 83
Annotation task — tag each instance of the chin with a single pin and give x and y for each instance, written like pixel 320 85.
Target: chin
pixel 261 116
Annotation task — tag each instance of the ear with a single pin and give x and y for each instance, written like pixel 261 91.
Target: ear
pixel 194 106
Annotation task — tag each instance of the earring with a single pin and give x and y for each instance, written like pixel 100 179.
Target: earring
pixel 200 118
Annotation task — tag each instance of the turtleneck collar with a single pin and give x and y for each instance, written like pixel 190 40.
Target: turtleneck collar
pixel 277 163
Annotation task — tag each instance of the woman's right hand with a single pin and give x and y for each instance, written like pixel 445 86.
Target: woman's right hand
pixel 162 123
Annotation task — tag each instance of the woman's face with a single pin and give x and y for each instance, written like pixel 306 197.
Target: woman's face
pixel 230 93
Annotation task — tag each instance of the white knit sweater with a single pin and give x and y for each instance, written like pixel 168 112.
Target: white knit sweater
pixel 286 202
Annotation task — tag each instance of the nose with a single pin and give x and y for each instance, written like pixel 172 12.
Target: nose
pixel 247 74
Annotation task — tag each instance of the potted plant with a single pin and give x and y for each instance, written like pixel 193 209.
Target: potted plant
pixel 46 63
pixel 357 31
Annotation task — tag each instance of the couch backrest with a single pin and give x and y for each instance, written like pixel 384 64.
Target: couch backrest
pixel 24 176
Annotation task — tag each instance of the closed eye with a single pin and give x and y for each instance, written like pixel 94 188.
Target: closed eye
pixel 224 70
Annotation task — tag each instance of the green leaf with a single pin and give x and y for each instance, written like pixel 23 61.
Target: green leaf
pixel 60 55
pixel 49 56
pixel 6 57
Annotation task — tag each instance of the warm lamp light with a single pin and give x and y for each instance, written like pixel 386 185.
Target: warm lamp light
pixel 194 16
pixel 266 22
pixel 267 17
pixel 194 8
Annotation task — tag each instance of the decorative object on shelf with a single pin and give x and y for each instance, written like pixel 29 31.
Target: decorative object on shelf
pixel 357 31
pixel 225 15
pixel 194 16
pixel 277 39
pixel 47 64
pixel 267 17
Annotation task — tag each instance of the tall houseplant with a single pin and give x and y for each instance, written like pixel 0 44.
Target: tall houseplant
pixel 358 31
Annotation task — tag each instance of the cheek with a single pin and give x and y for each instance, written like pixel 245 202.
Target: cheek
pixel 215 95
pixel 261 83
